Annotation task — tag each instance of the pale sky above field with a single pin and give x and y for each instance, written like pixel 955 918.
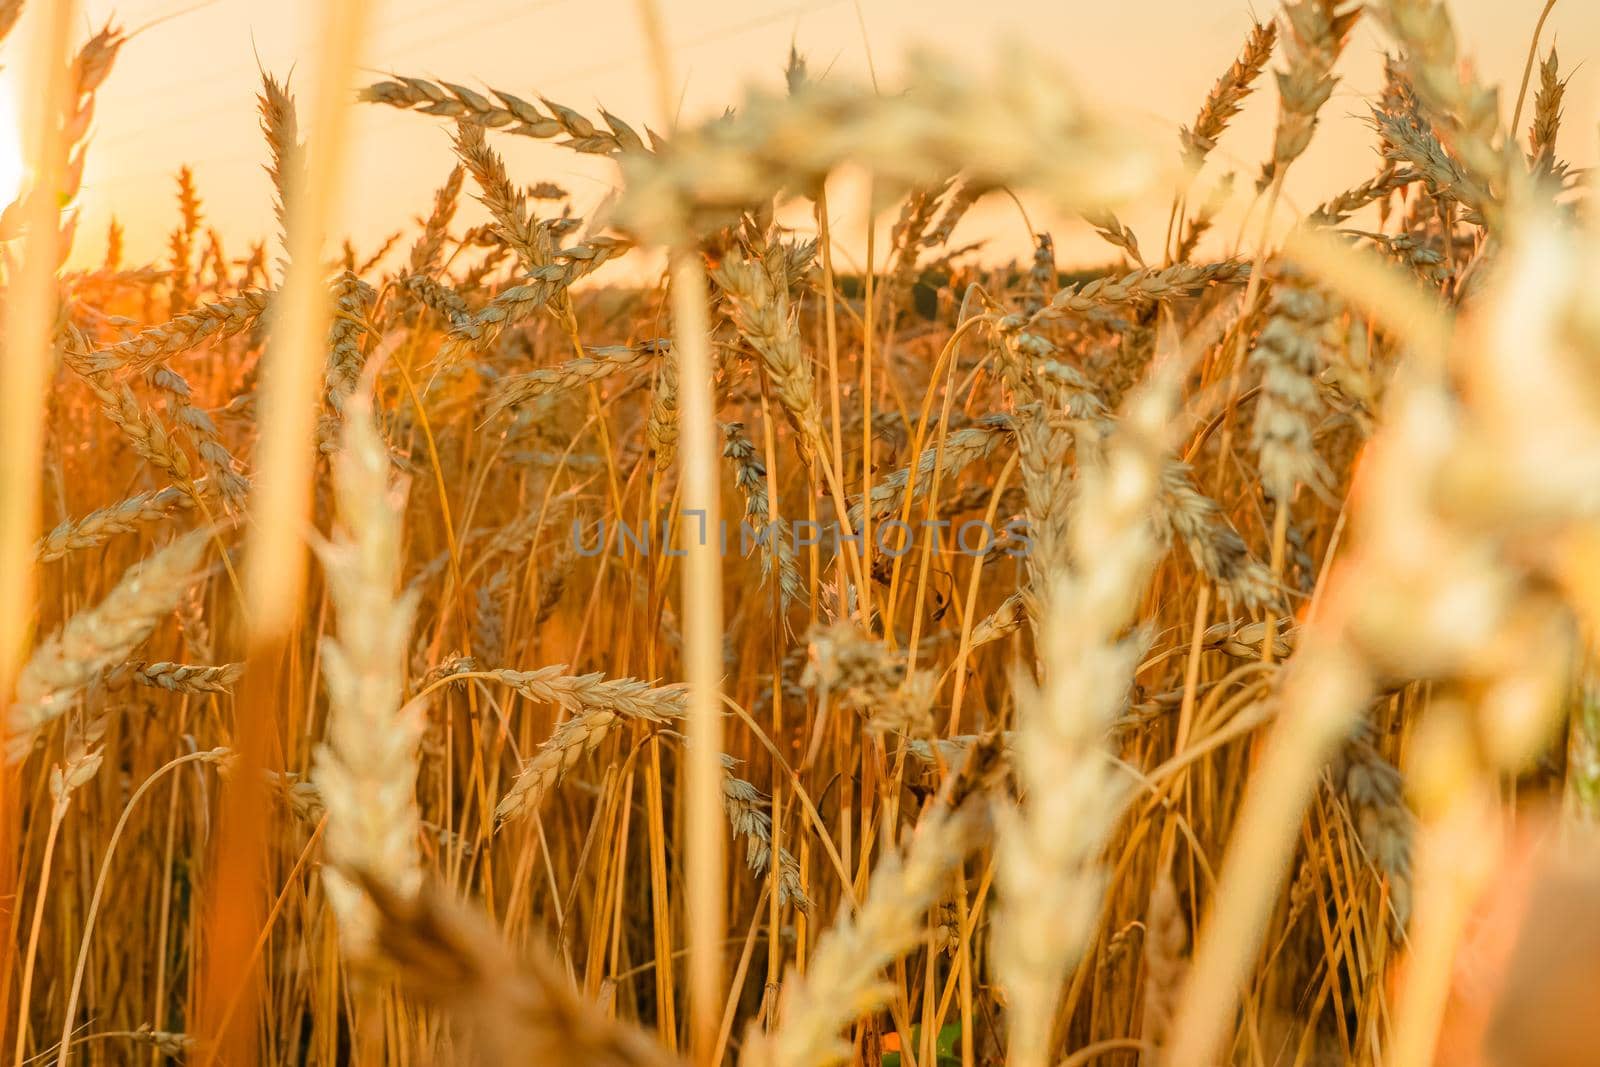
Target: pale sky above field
pixel 183 89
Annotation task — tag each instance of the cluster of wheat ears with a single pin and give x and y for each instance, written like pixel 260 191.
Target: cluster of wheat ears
pixel 350 716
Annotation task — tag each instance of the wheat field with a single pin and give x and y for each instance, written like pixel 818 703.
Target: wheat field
pixel 653 637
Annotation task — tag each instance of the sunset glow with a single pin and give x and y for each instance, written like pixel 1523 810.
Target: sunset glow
pixel 10 142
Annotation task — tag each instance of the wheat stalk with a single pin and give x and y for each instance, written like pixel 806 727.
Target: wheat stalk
pixel 596 705
pixel 1199 224
pixel 842 982
pixel 1023 124
pixel 758 299
pixel 661 429
pixel 567 744
pixel 1393 179
pixel 527 236
pixel 424 256
pixel 99 526
pixel 1467 111
pixel 1546 125
pixel 594 692
pixel 1227 96
pixel 1291 353
pixel 1147 284
pixel 100 637
pixel 280 125
pixel 218 462
pixel 1317 31
pixel 1166 934
pixel 773 534
pixel 515 1008
pixel 179 677
pixel 184 333
pixel 366 770
pixel 1087 572
pixel 540 288
pixel 510 114
pixel 1214 544
pixel 600 363
pixel 961 449
pixel 746 808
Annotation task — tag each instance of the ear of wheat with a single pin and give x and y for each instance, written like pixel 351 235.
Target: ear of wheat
pixel 367 771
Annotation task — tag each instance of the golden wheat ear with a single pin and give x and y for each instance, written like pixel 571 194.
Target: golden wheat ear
pixel 99 638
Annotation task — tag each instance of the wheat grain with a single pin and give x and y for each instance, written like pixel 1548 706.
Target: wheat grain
pixel 1468 111
pixel 661 429
pixel 594 692
pixel 1022 124
pixel 962 448
pixel 1391 180
pixel 1372 787
pixel 1165 936
pixel 1546 125
pixel 541 287
pixel 567 744
pixel 1147 284
pixel 1214 544
pixel 515 1008
pixel 218 462
pixel 182 279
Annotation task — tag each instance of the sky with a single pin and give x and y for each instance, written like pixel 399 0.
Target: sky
pixel 183 91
